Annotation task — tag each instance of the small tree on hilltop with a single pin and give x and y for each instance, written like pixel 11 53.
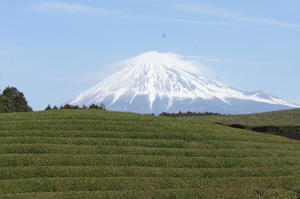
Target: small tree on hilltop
pixel 12 100
pixel 84 107
pixel 68 106
pixel 93 106
pixel 48 107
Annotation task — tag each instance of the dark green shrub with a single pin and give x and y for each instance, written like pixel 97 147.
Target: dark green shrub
pixel 12 100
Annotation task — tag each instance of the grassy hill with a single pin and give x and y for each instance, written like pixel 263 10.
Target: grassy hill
pixel 276 118
pixel 286 122
pixel 100 154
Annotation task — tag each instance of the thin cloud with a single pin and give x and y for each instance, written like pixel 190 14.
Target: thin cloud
pixel 186 62
pixel 187 21
pixel 79 8
pixel 231 15
pixel 70 8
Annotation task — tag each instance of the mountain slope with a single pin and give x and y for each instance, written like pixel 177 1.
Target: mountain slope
pixel 91 154
pixel 155 82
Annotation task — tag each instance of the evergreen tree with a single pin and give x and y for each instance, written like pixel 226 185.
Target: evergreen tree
pixel 93 106
pixel 12 100
pixel 48 107
pixel 84 107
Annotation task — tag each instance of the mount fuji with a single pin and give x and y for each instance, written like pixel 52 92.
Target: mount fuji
pixel 156 82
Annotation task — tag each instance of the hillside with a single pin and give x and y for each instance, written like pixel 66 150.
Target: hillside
pixel 286 122
pixel 276 118
pixel 100 154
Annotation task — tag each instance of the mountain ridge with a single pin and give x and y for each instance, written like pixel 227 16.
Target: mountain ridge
pixel 155 82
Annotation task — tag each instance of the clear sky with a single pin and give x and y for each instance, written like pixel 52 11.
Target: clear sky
pixel 53 50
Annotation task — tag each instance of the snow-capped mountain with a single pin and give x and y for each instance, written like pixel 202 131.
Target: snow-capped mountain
pixel 156 82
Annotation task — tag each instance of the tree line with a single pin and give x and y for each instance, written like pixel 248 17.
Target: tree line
pixel 187 114
pixel 69 106
pixel 13 100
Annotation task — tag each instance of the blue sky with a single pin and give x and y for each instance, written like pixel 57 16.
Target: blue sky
pixel 53 50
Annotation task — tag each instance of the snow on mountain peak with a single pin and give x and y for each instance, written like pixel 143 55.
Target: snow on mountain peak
pixel 156 82
pixel 157 75
pixel 168 60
